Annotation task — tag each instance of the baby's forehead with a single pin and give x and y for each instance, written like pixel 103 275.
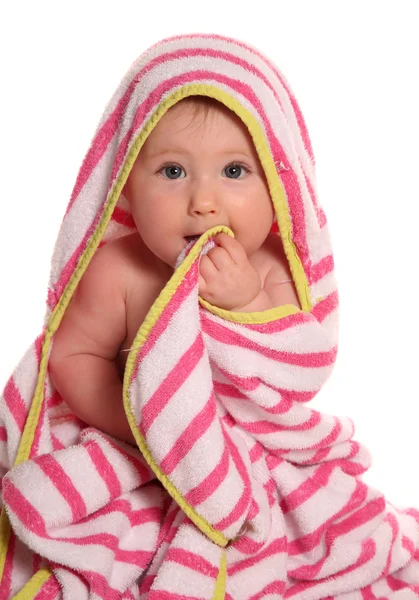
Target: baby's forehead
pixel 194 119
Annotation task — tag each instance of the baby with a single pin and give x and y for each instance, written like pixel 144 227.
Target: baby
pixel 197 169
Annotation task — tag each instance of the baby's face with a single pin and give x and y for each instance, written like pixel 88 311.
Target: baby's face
pixel 193 175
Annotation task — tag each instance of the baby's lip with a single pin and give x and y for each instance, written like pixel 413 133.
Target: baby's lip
pixel 194 236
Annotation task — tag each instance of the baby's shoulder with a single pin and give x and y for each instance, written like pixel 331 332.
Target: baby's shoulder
pixel 124 256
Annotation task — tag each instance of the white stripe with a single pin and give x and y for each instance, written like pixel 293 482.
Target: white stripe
pixel 25 375
pixel 269 370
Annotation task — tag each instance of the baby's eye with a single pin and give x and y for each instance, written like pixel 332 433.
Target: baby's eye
pixel 235 171
pixel 172 172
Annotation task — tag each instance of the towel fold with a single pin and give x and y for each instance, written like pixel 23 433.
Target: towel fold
pixel 236 485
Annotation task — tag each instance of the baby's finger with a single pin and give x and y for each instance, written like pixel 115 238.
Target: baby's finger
pixel 234 249
pixel 207 269
pixel 202 285
pixel 219 257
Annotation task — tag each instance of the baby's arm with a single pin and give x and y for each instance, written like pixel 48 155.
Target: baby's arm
pixel 82 363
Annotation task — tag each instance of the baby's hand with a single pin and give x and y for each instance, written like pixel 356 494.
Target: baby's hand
pixel 227 279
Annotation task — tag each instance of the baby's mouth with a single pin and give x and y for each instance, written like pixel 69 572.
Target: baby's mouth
pixel 191 238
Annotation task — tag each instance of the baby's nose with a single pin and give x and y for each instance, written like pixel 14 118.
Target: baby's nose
pixel 204 200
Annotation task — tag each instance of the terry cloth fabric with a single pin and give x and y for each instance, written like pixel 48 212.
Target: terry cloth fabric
pixel 237 488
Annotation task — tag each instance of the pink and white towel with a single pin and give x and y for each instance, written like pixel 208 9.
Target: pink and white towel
pixel 237 488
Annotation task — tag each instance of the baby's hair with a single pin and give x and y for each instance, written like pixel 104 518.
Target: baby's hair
pixel 203 106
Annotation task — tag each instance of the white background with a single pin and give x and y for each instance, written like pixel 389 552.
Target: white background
pixel 353 66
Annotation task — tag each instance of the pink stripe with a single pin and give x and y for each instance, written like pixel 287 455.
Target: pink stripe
pixel 321 217
pixel 397 584
pixel 39 428
pixel 51 590
pixel 256 452
pixel 15 404
pixel 322 268
pixel 54 471
pixel 123 218
pixel 210 484
pixel 278 546
pixel 395 529
pixel 367 594
pixel 275 588
pixel 285 400
pixel 136 517
pixel 169 513
pixel 325 307
pixel 101 143
pixel 243 503
pixel 248 546
pixel 272 327
pixel 104 469
pixel 230 337
pixel 193 432
pixel 267 427
pixel 6 581
pixel 145 474
pixel 29 517
pixel 192 561
pixel 288 397
pixel 325 448
pixel 228 390
pixel 72 263
pixel 56 443
pixel 249 384
pixel 162 595
pixel 170 385
pixel 39 342
pixel 3 434
pixel 307 489
pixel 146 583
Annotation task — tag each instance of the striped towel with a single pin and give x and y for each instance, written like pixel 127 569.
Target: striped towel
pixel 237 489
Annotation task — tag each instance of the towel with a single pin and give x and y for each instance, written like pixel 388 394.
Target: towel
pixel 237 488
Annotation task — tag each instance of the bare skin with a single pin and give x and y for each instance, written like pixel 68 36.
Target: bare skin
pixel 245 273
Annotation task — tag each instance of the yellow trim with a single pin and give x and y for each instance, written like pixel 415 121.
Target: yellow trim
pixel 5 531
pixel 220 584
pixel 266 316
pixel 32 587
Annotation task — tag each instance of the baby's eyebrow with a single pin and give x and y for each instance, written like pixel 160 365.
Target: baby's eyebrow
pixel 162 151
pixel 174 150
